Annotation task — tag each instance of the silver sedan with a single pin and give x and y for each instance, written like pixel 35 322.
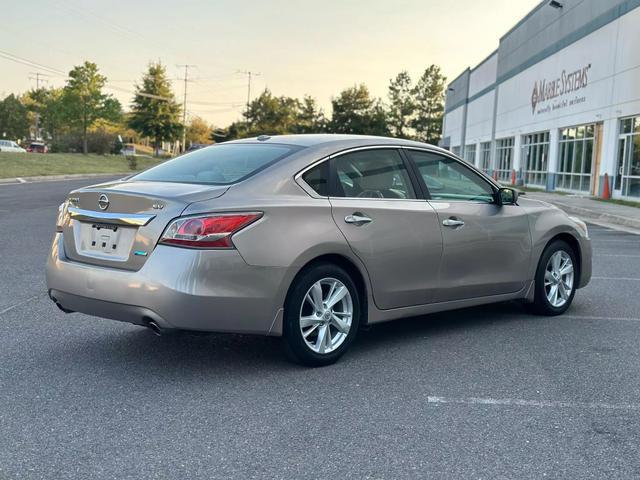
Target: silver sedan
pixel 309 238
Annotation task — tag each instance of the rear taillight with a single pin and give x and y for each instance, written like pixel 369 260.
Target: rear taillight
pixel 61 219
pixel 207 231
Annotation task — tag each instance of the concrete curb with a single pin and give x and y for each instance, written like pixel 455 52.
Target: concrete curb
pixel 58 178
pixel 609 218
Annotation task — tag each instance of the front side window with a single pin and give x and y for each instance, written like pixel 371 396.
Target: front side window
pixel 447 179
pixel 372 174
pixel 218 165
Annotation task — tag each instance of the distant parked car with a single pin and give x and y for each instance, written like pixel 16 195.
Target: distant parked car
pixel 9 146
pixel 128 150
pixel 196 146
pixel 38 147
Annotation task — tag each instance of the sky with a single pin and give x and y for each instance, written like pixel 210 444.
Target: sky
pixel 297 47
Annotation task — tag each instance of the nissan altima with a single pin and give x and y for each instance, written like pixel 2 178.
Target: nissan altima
pixel 309 237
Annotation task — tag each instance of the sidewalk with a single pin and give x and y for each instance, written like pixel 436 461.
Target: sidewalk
pixel 608 214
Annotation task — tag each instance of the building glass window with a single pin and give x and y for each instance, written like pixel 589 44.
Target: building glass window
pixel 504 159
pixel 455 151
pixel 485 156
pixel 470 153
pixel 628 175
pixel 535 155
pixel 575 158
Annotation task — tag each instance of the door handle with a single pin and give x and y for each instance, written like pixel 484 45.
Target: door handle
pixel 452 222
pixel 357 219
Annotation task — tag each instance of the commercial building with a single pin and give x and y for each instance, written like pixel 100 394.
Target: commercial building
pixel 557 105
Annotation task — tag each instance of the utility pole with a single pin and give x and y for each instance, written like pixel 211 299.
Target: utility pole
pixel 249 74
pixel 38 79
pixel 184 104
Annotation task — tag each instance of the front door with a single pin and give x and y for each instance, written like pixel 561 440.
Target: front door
pixel 487 247
pixel 395 234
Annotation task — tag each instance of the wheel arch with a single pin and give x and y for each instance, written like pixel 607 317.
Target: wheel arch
pixel 575 246
pixel 354 271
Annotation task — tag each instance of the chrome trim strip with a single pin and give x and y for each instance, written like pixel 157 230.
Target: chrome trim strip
pixel 137 219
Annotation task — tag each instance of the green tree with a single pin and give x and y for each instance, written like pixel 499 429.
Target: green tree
pixel 48 105
pixel 198 131
pixel 14 118
pixel 272 115
pixel 401 105
pixel 355 112
pixel 84 102
pixel 429 98
pixel 310 118
pixel 154 111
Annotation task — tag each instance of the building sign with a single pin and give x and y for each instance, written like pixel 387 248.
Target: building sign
pixel 554 94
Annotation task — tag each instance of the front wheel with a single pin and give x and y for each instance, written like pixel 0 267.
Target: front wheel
pixel 321 315
pixel 556 278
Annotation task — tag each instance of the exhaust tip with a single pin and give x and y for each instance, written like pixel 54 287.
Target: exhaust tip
pixel 155 328
pixel 65 310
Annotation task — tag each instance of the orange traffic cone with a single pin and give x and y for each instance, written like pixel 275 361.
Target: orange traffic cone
pixel 606 193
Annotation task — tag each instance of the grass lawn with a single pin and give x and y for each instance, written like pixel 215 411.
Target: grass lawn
pixel 34 164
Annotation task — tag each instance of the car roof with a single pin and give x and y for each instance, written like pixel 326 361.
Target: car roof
pixel 334 140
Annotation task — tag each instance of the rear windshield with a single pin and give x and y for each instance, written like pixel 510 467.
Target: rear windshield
pixel 218 165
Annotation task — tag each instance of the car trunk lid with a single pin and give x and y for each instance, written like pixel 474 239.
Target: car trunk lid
pixel 118 224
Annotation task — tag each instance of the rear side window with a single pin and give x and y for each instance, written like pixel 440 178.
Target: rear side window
pixel 372 174
pixel 218 165
pixel 318 179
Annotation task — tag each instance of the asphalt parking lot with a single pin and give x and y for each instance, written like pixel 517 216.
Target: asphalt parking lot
pixel 482 393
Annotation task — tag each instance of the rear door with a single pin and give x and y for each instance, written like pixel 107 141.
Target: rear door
pixel 394 232
pixel 487 247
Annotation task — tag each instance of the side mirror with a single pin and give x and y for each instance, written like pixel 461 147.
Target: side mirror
pixel 507 196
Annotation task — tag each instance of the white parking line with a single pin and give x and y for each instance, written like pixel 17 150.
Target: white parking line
pixel 626 279
pixel 616 255
pixel 516 402
pixel 16 305
pixel 593 317
pixel 635 242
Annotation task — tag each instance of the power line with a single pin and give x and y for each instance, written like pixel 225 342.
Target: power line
pixel 30 63
pixel 184 103
pixel 249 74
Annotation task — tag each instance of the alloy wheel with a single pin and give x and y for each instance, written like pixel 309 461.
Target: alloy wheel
pixel 326 315
pixel 558 279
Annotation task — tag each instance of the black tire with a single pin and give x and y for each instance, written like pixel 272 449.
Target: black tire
pixel 295 345
pixel 541 304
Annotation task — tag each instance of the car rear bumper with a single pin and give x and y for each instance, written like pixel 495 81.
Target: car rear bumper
pixel 177 288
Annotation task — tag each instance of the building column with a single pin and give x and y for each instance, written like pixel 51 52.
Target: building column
pixel 552 161
pixel 476 161
pixel 517 158
pixel 608 155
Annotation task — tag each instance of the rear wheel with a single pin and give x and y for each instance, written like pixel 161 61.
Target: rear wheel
pixel 321 315
pixel 556 278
